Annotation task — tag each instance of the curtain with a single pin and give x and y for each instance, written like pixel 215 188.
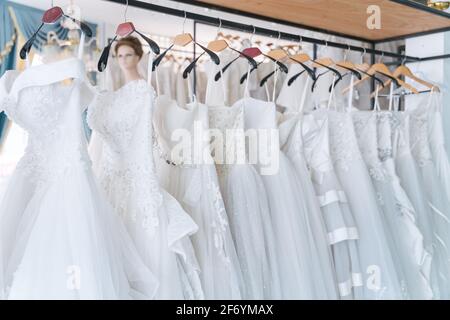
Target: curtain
pixel 8 38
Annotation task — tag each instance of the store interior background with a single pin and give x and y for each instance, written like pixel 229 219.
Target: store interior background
pixel 162 28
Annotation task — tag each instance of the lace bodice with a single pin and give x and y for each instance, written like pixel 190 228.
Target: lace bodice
pixel 228 136
pixel 387 124
pixel 343 144
pixel 51 113
pixel 419 138
pixel 123 120
pixel 365 123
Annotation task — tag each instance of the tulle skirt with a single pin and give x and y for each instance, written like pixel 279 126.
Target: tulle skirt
pixel 254 237
pixel 160 229
pixel 198 191
pixel 379 272
pixel 305 257
pixel 413 262
pixel 59 239
pixel 440 213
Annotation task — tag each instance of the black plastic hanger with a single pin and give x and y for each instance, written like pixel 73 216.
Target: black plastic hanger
pixel 183 40
pixel 51 16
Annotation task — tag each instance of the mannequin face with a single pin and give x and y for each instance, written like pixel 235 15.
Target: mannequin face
pixel 127 58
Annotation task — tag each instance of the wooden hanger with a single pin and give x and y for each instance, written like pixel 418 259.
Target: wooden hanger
pixel 363 67
pixel 183 40
pixel 301 58
pixel 382 69
pixel 403 70
pixel 325 62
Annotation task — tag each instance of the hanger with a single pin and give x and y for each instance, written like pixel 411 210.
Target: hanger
pixel 51 16
pixel 403 70
pixel 326 63
pixel 276 55
pixel 219 45
pixel 255 52
pixel 124 29
pixel 301 58
pixel 348 66
pixel 385 71
pixel 183 40
pixel 382 69
pixel 363 68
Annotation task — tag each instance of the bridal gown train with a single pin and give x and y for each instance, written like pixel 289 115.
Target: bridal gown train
pixel 187 171
pixel 59 238
pixel 125 168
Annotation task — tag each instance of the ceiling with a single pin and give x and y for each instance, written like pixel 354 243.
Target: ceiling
pixel 399 18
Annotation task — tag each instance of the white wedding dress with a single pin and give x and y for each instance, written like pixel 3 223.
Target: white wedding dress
pixel 305 140
pixel 124 165
pixel 404 238
pixel 59 238
pixel 308 147
pixel 294 210
pixel 379 273
pixel 436 197
pixel 187 171
pixel 246 205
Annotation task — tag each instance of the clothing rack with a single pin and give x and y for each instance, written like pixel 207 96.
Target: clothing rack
pixel 208 20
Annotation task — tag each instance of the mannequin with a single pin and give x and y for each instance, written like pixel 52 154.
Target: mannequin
pixel 129 52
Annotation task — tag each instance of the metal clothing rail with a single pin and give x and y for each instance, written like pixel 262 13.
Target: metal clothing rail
pixel 258 30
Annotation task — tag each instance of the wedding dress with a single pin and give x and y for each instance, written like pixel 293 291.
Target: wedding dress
pixel 187 171
pixel 59 238
pixel 246 205
pixel 380 277
pixel 436 196
pixel 437 141
pixel 294 211
pixel 397 213
pixel 125 167
pixel 306 143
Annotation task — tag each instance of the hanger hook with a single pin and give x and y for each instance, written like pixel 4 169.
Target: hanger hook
pixel 300 40
pixel 403 60
pixel 363 54
pixel 253 33
pixel 278 39
pixel 381 58
pixel 125 13
pixel 184 20
pixel 346 52
pixel 220 26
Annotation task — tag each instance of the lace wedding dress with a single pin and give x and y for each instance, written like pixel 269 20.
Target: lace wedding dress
pixel 436 197
pixel 59 238
pixel 187 171
pixel 125 167
pixel 246 205
pixel 379 273
pixel 397 213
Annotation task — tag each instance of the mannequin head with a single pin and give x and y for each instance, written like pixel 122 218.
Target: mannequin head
pixel 128 51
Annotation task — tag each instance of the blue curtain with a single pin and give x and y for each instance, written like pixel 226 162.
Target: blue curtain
pixel 7 52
